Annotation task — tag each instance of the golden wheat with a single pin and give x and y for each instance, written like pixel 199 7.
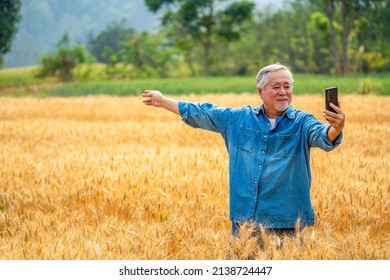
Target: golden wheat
pixel 109 178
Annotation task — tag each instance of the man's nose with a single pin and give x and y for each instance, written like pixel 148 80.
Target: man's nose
pixel 282 91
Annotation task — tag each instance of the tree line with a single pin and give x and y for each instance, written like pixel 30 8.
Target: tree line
pixel 211 37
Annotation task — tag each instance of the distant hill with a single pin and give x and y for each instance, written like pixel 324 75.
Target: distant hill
pixel 44 21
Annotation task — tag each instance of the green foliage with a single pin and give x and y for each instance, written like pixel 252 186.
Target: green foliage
pixel 129 54
pixel 319 39
pixel 108 43
pixel 373 61
pixel 155 5
pixel 143 55
pixel 25 76
pixel 299 36
pixel 230 20
pixel 202 24
pixel 373 36
pixel 64 61
pixel 368 85
pixel 9 18
pixel 225 38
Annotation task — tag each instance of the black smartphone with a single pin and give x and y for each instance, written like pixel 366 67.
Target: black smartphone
pixel 331 96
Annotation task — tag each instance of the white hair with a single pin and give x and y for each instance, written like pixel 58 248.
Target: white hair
pixel 262 76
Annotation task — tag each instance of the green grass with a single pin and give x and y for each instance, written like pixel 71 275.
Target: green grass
pixel 308 83
pixel 304 84
pixel 177 86
pixel 24 76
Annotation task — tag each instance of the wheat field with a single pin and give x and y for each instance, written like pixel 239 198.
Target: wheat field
pixel 109 178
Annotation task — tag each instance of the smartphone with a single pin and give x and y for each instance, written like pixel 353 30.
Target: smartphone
pixel 331 96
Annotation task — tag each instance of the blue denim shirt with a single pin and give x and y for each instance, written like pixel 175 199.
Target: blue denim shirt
pixel 269 170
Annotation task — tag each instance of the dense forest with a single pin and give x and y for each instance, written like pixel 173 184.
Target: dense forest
pixel 187 38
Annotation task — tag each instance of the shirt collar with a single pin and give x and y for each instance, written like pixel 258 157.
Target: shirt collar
pixel 290 112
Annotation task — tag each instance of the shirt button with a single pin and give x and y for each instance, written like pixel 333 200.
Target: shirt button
pixel 265 136
pixel 259 165
pixel 262 152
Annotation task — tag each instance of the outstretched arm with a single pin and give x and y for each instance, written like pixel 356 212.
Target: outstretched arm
pixel 336 120
pixel 157 99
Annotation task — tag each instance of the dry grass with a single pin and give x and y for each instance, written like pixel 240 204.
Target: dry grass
pixel 108 178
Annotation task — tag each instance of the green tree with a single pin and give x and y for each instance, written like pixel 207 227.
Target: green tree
pixel 302 36
pixel 150 54
pixel 108 43
pixel 319 40
pixel 350 14
pixel 373 37
pixel 9 18
pixel 276 36
pixel 64 61
pixel 204 22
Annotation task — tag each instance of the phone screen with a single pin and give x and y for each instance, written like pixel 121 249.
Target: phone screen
pixel 331 96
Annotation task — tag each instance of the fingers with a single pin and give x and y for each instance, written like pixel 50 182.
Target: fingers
pixel 336 119
pixel 148 102
pixel 151 92
pixel 337 110
pixel 329 114
pixel 149 96
pixel 153 97
pixel 147 93
pixel 334 107
pixel 331 119
pixel 328 117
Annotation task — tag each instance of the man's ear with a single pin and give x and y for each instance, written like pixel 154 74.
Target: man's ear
pixel 260 92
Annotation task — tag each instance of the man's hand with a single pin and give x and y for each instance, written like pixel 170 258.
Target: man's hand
pixel 336 120
pixel 157 99
pixel 154 98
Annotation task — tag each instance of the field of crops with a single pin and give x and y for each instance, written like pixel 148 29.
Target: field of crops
pixel 104 177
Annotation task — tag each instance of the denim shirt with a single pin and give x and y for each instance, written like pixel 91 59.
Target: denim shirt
pixel 269 170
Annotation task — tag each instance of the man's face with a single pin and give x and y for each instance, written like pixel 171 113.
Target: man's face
pixel 277 93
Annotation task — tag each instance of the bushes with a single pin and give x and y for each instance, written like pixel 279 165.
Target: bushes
pixel 368 85
pixel 63 62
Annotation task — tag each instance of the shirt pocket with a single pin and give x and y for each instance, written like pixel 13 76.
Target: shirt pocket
pixel 247 138
pixel 285 145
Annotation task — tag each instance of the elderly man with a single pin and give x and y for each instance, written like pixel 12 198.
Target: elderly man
pixel 269 150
